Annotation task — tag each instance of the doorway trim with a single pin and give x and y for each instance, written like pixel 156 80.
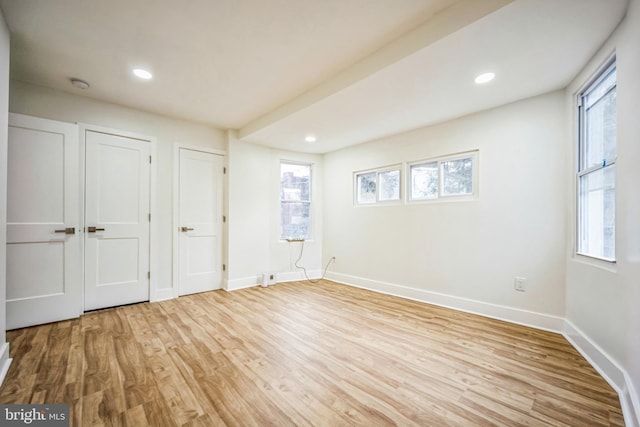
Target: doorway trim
pixel 153 225
pixel 176 211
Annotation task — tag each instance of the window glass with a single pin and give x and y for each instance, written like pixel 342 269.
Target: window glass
pixel 366 184
pixel 294 221
pixel 295 182
pixel 457 177
pixel 600 122
pixel 597 213
pixel 424 181
pixel 389 185
pixel 295 201
pixel 596 177
pixel 450 176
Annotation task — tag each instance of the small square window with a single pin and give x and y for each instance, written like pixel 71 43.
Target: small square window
pixel 366 184
pixel 389 185
pixel 377 186
pixel 451 176
pixel 457 177
pixel 424 181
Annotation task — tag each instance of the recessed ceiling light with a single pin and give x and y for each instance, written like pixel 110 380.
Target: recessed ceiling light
pixel 484 78
pixel 80 84
pixel 310 138
pixel 143 74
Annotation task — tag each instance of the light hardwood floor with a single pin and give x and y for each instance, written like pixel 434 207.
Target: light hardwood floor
pixel 307 355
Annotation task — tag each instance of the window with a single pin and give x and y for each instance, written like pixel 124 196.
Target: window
pixel 596 177
pixel 295 201
pixel 389 185
pixel 452 176
pixel 366 184
pixel 378 186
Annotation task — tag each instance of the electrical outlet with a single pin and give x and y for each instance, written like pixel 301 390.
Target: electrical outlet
pixel 268 279
pixel 519 284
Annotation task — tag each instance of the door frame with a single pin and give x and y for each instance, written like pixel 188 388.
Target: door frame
pixel 176 211
pixel 153 227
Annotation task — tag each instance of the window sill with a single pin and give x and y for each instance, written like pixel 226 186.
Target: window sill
pixel 445 199
pixel 602 263
pixel 378 204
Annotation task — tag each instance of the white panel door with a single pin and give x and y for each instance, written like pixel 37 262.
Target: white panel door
pixel 116 220
pixel 44 258
pixel 200 219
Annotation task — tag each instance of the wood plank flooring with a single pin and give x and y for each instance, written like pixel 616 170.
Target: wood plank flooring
pixel 301 354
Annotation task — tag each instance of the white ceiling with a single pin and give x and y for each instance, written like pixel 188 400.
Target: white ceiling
pixel 347 71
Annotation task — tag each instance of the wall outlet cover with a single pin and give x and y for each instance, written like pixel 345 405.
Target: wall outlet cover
pixel 519 284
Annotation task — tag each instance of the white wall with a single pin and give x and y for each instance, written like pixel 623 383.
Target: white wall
pixel 51 104
pixel 603 301
pixel 4 118
pixel 253 223
pixel 469 250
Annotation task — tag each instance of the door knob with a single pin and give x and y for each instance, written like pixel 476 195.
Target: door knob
pixel 185 229
pixel 94 229
pixel 68 230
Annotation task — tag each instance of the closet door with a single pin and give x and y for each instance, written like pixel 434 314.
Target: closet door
pixel 44 259
pixel 200 217
pixel 117 208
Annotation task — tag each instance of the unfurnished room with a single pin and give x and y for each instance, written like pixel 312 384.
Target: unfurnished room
pixel 320 213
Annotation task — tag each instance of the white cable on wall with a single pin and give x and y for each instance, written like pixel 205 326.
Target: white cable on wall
pixel 304 270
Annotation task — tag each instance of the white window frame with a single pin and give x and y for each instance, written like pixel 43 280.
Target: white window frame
pixel 583 169
pixel 439 161
pixel 309 236
pixel 378 171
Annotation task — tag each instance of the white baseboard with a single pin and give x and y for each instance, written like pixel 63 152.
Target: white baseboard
pixel 632 402
pixel 5 361
pixel 242 283
pixel 282 277
pixel 297 276
pixel 163 294
pixel 605 366
pixel 533 319
pixel 615 375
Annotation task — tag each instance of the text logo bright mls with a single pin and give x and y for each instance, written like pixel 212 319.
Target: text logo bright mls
pixel 34 415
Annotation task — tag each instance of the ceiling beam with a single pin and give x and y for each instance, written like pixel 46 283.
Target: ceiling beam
pixel 445 22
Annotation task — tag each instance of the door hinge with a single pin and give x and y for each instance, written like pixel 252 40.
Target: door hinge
pixel 224 171
pixel 149 159
pixel 224 267
pixel 148 275
pixel 149 217
pixel 224 218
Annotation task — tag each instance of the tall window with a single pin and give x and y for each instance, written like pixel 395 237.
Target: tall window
pixel 597 167
pixel 295 201
pixel 452 176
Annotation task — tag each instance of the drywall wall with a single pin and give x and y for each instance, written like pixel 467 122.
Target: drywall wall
pixel 469 250
pixel 51 104
pixel 254 216
pixel 603 300
pixel 4 123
